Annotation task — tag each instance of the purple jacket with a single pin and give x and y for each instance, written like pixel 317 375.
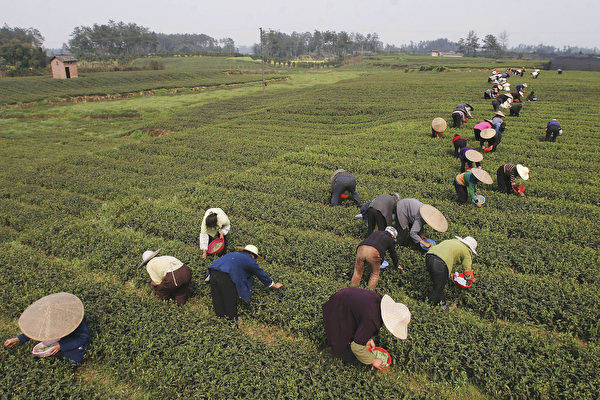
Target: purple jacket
pixel 351 315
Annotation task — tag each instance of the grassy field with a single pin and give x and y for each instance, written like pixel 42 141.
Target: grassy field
pixel 179 72
pixel 86 188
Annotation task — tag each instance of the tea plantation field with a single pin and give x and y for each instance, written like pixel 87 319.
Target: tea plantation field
pixel 86 188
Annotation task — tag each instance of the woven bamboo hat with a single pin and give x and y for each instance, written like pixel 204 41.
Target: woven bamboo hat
pixel 523 171
pixel 500 114
pixel 395 316
pixel 52 317
pixel 488 133
pixel 473 155
pixel 434 218
pixel 439 124
pixel 482 175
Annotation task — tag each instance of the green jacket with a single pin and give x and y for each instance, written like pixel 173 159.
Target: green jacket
pixel 454 253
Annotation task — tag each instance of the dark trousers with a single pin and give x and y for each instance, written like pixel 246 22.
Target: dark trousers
pixel 503 180
pixel 477 133
pixel 552 133
pixel 464 163
pixel 175 285
pixel 496 104
pixel 375 217
pixel 461 192
pixel 457 119
pixel 438 271
pixel 224 295
pixel 459 144
pixel 348 356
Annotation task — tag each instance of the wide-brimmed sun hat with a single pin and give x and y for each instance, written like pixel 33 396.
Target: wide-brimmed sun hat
pixel 439 124
pixel 500 113
pixel 482 175
pixel 523 171
pixel 250 248
pixel 470 242
pixel 147 256
pixel 52 317
pixel 392 231
pixel 395 316
pixel 433 217
pixel 488 133
pixel 473 155
pixel 524 85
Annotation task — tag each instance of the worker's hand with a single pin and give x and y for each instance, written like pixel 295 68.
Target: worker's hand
pixel 522 194
pixel 221 235
pixel 203 254
pixel 478 203
pixel 370 345
pixel 55 349
pixel 153 284
pixel 277 285
pixel 8 343
pixel 400 267
pixel 377 363
pixel 425 244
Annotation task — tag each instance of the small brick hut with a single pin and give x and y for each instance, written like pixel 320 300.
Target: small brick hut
pixel 63 66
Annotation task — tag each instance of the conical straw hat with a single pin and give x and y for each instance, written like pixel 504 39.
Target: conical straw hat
pixel 439 124
pixel 473 155
pixel 482 175
pixel 488 133
pixel 52 317
pixel 434 217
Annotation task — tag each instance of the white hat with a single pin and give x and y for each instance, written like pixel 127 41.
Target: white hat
pixel 392 231
pixel 395 316
pixel 470 242
pixel 524 85
pixel 523 171
pixel 250 249
pixel 147 256
pixel 500 113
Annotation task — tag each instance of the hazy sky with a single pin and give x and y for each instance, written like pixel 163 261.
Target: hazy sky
pixel 555 22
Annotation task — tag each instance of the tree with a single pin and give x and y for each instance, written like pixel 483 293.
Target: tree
pixel 491 45
pixel 503 40
pixel 470 44
pixel 20 48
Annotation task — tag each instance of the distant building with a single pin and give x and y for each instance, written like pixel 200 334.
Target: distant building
pixel 64 66
pixel 436 53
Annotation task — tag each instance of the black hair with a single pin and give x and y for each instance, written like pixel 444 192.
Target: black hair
pixel 211 220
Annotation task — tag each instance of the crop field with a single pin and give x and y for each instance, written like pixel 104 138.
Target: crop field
pixel 86 188
pixel 179 72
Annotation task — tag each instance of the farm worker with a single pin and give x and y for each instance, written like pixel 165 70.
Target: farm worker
pixel 492 137
pixel 459 142
pixel 343 186
pixel 553 129
pixel 461 114
pixel 515 109
pixel 517 96
pixel 486 124
pixel 438 126
pixel 465 184
pixel 169 277
pixel 535 73
pixel 442 258
pixel 507 178
pixel 497 119
pixel 380 211
pixel 503 100
pixel 531 96
pixel 352 317
pixel 231 277
pixel 372 251
pixel 215 223
pixel 412 215
pixel 467 157
pixel 58 320
pixel 521 87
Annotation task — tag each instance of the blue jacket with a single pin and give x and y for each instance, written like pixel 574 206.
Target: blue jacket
pixel 72 346
pixel 241 266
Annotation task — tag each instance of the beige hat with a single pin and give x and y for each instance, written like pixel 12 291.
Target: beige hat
pixel 523 171
pixel 524 85
pixel 434 218
pixel 500 113
pixel 250 249
pixel 52 317
pixel 473 155
pixel 395 316
pixel 482 175
pixel 488 133
pixel 147 256
pixel 510 96
pixel 469 241
pixel 392 231
pixel 439 124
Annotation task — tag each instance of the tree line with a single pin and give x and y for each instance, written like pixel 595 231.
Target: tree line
pixel 21 49
pixel 281 46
